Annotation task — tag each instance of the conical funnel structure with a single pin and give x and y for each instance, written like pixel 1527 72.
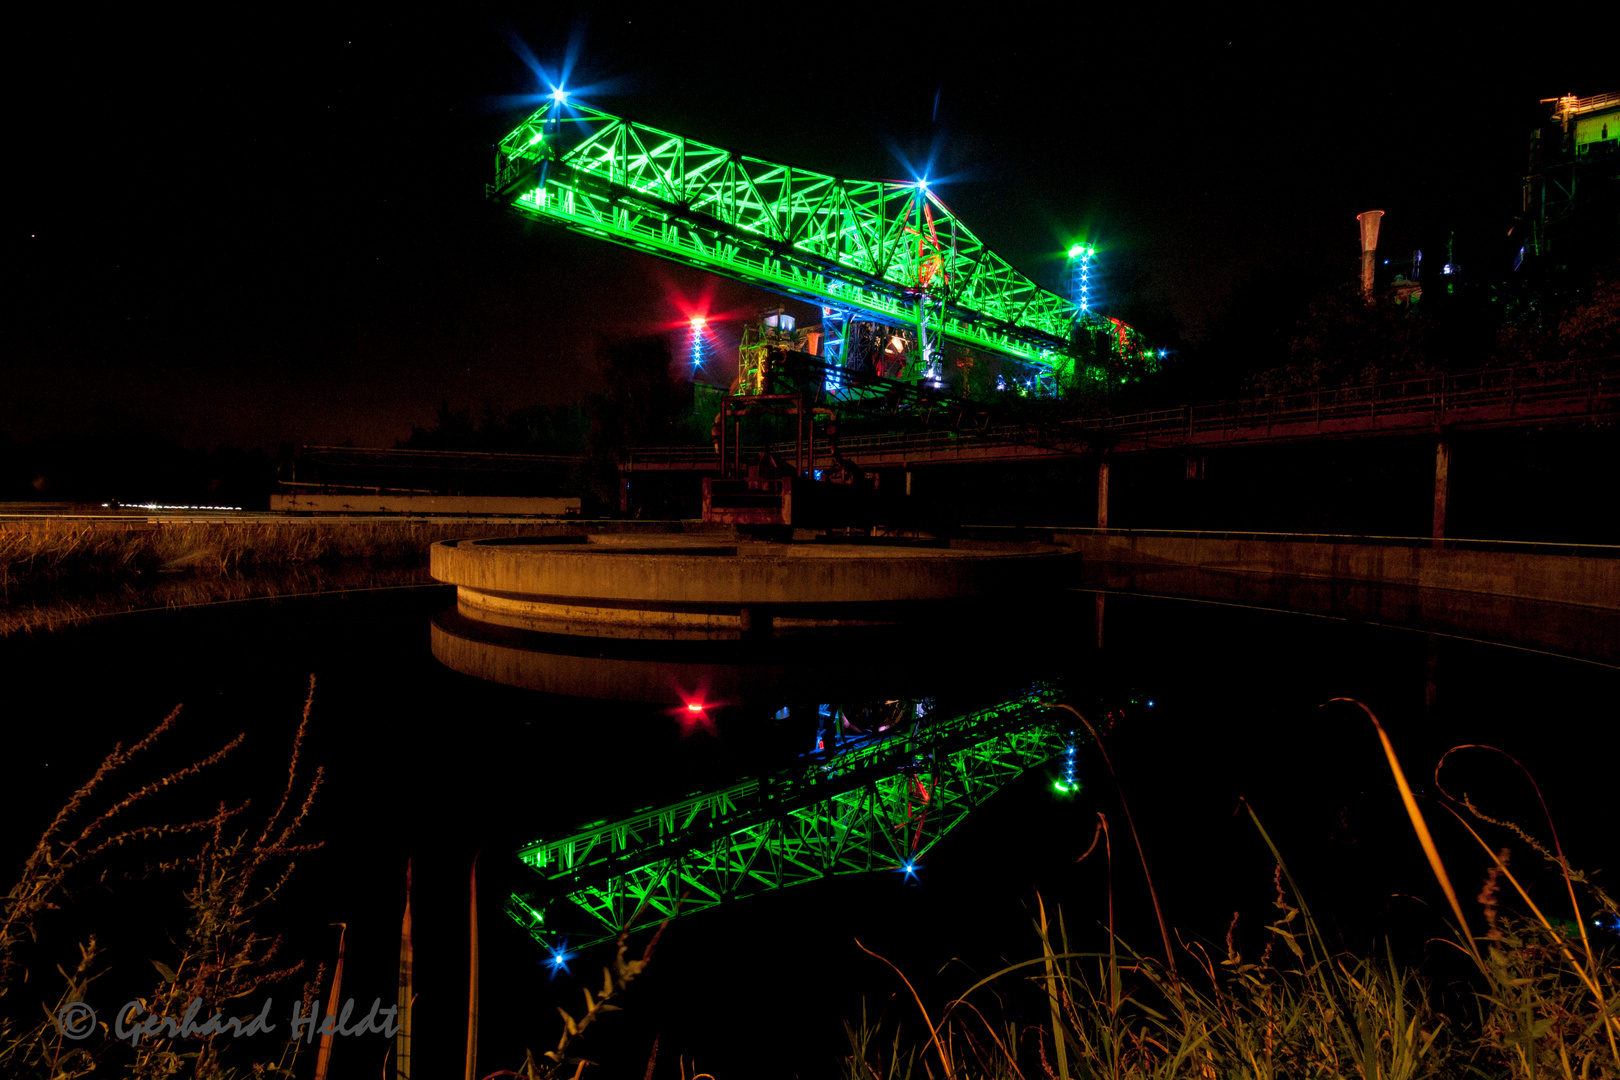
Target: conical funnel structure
pixel 1369 247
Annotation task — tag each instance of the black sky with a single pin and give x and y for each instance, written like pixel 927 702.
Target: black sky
pixel 253 228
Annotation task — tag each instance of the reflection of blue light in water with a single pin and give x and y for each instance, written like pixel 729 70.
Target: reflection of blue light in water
pixel 1068 785
pixel 558 960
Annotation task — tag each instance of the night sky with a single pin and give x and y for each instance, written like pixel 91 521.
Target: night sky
pixel 258 229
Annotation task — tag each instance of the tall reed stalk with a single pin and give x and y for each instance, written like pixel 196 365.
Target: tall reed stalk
pixel 406 997
pixel 323 1060
pixel 472 971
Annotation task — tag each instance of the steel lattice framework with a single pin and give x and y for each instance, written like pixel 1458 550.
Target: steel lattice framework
pixel 877 805
pixel 877 249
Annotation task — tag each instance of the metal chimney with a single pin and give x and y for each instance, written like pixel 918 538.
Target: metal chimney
pixel 1369 247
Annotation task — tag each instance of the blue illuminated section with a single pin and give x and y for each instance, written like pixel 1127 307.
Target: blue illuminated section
pixel 834 328
pixel 700 345
pixel 1080 270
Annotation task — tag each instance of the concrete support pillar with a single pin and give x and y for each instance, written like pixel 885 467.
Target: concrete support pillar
pixel 1102 500
pixel 1101 598
pixel 624 495
pixel 1442 469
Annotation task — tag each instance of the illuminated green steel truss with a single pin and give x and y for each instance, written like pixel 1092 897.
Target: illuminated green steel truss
pixel 880 805
pixel 885 251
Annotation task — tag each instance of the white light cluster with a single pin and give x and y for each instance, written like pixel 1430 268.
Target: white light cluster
pixel 165 506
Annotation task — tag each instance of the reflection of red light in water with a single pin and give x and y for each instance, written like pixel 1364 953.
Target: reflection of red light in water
pixel 693 715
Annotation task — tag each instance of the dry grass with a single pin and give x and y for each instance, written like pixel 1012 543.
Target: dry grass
pixel 231 869
pixel 41 550
pixel 1539 999
pixel 57 573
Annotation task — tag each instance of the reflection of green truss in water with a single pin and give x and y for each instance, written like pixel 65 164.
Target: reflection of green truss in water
pixel 878 805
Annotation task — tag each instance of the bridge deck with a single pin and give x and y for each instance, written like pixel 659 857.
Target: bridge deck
pixel 1570 392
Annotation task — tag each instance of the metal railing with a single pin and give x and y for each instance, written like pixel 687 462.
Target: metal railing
pixel 1593 385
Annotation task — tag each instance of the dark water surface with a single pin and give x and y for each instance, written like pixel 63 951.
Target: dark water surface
pixel 431 765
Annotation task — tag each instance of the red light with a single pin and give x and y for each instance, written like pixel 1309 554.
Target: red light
pixel 699 322
pixel 694 706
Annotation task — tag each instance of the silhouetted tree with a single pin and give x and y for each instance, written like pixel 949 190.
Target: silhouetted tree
pixel 1590 327
pixel 645 403
pixel 1347 339
pixel 538 429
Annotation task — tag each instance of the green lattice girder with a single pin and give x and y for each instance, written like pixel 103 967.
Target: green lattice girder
pixel 843 813
pixel 887 250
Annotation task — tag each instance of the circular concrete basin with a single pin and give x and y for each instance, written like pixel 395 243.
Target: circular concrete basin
pixel 697 588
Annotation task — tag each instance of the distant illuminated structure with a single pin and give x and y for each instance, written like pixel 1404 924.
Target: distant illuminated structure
pixel 1574 161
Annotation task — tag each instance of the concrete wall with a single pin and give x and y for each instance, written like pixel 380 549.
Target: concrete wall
pixel 785 575
pixel 1559 578
pixel 424 504
pixel 1560 603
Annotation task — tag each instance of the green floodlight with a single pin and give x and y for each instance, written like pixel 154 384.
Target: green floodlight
pixel 1077 250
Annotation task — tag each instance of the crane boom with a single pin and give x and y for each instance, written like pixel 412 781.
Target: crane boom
pixel 877 250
